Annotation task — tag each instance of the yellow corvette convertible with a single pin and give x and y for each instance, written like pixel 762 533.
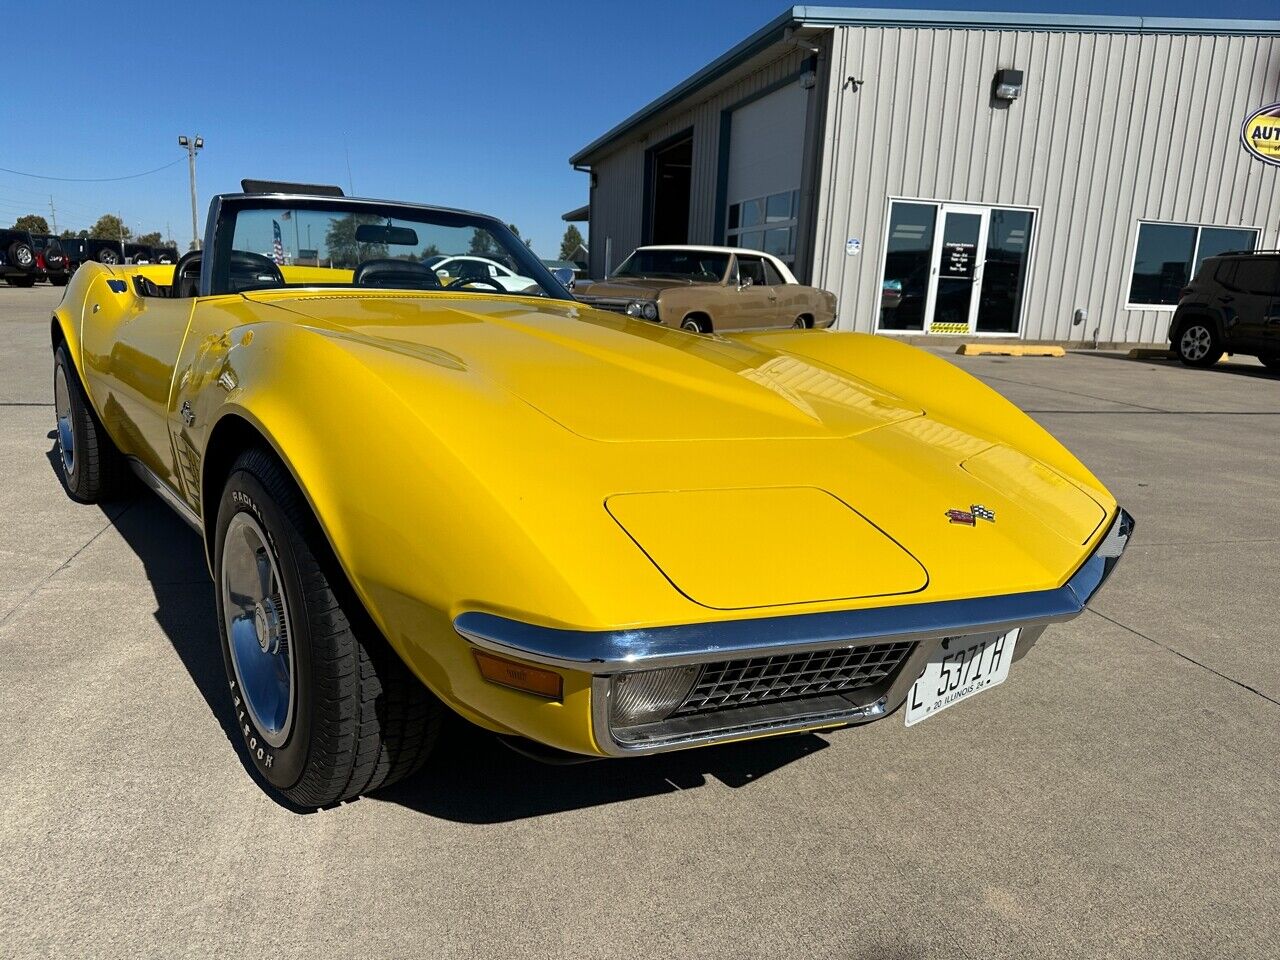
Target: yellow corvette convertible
pixel 587 532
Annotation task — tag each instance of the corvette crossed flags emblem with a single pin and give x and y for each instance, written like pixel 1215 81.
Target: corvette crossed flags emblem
pixel 970 517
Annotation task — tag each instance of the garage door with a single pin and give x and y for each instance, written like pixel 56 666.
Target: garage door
pixel 766 149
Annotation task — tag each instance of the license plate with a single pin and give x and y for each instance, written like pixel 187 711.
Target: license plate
pixel 967 665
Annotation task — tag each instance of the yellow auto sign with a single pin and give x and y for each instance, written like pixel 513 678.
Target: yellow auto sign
pixel 1261 134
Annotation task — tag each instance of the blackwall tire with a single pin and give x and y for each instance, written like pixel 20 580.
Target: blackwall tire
pixel 1197 343
pixel 108 256
pixel 92 468
pixel 355 719
pixel 1271 362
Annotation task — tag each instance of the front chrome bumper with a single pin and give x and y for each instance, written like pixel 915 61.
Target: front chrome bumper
pixel 603 654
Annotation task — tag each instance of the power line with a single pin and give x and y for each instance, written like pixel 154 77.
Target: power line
pixel 132 176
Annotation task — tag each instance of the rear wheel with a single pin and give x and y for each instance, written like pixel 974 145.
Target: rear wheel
pixel 27 281
pixel 92 468
pixel 695 325
pixel 1271 362
pixel 1198 344
pixel 108 256
pixel 803 322
pixel 326 710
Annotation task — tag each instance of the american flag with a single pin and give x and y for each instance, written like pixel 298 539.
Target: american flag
pixel 277 245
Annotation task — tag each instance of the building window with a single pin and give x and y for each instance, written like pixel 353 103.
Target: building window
pixel 1168 255
pixel 766 223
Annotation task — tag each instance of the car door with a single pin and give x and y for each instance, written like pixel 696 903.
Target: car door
pixel 1247 300
pixel 789 300
pixel 755 304
pixel 130 346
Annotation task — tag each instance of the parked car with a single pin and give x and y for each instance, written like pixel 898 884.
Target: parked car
pixel 51 262
pixel 145 253
pixel 1231 306
pixel 80 250
pixel 588 533
pixel 18 263
pixel 702 289
pixel 449 269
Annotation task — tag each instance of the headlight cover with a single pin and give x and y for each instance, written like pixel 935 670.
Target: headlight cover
pixel 648 309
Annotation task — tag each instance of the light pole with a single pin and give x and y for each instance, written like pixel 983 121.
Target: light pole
pixel 192 144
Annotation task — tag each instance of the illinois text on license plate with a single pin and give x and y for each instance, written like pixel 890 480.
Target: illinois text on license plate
pixel 965 666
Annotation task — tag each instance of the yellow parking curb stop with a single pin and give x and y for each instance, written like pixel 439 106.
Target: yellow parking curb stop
pixel 1019 350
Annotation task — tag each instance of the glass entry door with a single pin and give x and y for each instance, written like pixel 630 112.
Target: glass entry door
pixel 954 268
pixel 957 269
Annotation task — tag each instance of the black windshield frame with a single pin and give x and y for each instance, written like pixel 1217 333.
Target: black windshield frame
pixel 215 266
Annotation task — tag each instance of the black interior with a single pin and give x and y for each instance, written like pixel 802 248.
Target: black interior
pixel 253 271
pixel 186 275
pixel 390 273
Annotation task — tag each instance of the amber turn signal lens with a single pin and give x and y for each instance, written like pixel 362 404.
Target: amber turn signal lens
pixel 521 676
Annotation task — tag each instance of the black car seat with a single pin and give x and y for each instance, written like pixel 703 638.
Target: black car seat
pixel 390 273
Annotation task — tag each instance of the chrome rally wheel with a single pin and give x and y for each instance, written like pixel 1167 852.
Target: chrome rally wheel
pixel 256 616
pixel 325 709
pixel 62 410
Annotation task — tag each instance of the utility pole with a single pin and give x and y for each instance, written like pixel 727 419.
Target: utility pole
pixel 191 145
pixel 53 214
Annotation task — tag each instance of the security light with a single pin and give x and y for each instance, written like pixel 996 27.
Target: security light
pixel 200 140
pixel 1007 85
pixel 182 141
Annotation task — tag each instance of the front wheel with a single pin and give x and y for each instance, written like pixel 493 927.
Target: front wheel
pixel 1271 362
pixel 694 325
pixel 1198 344
pixel 326 710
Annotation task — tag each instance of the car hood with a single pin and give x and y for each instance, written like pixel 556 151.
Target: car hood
pixel 638 287
pixel 610 378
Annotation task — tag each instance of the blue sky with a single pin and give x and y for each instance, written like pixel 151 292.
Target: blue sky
pixel 477 105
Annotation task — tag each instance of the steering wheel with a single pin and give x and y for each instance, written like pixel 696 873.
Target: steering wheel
pixel 464 281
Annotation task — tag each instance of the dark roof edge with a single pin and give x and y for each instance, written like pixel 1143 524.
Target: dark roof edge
pixel 810 16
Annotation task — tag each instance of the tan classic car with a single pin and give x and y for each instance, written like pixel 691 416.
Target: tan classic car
pixel 710 288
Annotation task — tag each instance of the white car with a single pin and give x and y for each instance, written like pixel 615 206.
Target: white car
pixel 452 268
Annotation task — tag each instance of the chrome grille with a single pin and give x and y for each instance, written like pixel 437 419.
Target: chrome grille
pixel 737 683
pixel 604 303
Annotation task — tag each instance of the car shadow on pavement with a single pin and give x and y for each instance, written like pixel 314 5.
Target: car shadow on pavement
pixel 1228 366
pixel 472 777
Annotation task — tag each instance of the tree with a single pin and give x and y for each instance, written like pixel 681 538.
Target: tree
pixel 344 250
pixel 32 222
pixel 482 243
pixel 109 227
pixel 150 239
pixel 68 234
pixel 571 242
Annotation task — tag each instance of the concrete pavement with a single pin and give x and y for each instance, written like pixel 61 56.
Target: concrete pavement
pixel 1118 796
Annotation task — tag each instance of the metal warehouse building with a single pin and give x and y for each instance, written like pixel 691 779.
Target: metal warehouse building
pixel 1045 177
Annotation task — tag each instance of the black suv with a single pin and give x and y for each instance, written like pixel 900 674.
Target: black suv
pixel 17 258
pixel 1232 306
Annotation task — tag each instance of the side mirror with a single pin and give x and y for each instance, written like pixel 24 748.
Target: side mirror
pixel 564 276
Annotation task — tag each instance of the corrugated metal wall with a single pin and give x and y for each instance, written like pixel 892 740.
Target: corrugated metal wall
pixel 1111 128
pixel 617 200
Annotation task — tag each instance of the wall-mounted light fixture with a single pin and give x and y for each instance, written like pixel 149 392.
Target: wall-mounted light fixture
pixel 1007 85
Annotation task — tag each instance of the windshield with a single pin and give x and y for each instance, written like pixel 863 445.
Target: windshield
pixel 697 265
pixel 340 243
